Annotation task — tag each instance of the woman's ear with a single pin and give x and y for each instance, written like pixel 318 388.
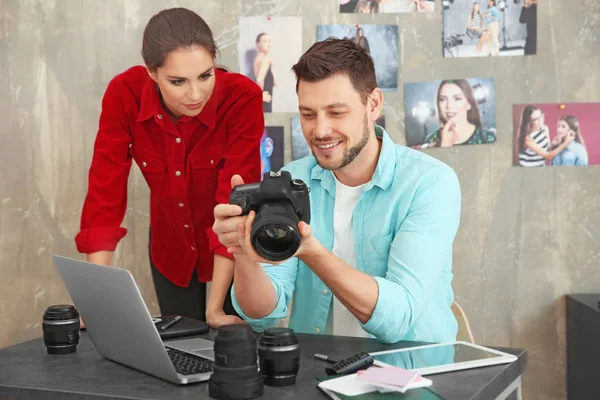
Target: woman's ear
pixel 152 74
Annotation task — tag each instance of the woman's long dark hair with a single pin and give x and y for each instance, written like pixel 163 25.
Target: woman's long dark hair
pixel 524 125
pixel 573 124
pixel 473 115
pixel 473 11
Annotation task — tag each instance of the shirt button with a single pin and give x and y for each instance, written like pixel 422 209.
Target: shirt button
pixel 181 204
pixel 177 173
pixel 186 226
pixel 193 248
pixel 325 291
pixel 159 116
pixel 144 164
pixel 318 330
pixel 211 162
pixel 178 140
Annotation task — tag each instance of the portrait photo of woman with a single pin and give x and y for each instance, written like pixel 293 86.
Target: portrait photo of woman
pixel 263 69
pixel 575 153
pixel 459 117
pixel 267 50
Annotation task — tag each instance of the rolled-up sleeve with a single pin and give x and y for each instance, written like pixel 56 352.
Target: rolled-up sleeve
pixel 421 249
pixel 283 278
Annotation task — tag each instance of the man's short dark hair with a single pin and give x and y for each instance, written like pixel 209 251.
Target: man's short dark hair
pixel 338 56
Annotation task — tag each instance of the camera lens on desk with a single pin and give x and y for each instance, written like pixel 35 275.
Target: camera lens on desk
pixel 235 373
pixel 279 355
pixel 61 329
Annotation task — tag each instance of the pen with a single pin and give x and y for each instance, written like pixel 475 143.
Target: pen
pixel 325 358
pixel 170 323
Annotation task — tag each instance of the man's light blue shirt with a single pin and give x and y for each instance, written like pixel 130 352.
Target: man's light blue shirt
pixel 404 225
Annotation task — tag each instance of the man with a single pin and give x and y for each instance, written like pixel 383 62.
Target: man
pixel 377 256
pixel 529 16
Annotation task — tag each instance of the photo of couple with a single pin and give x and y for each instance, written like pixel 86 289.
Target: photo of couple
pixel 489 28
pixel 553 135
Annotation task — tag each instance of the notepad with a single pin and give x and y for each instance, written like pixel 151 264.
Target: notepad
pixel 394 376
pixel 352 385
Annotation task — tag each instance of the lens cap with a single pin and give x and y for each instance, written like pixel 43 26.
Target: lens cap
pixel 279 337
pixel 61 312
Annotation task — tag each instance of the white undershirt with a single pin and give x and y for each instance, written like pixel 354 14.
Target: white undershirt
pixel 341 321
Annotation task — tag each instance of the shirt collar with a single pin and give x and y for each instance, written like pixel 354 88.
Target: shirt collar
pixel 152 106
pixel 384 172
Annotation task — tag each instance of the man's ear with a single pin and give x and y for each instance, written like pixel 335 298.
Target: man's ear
pixel 375 103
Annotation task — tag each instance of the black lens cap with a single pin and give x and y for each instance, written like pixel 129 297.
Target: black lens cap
pixel 61 312
pixel 279 337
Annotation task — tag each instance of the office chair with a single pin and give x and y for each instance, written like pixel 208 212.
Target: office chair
pixel 464 330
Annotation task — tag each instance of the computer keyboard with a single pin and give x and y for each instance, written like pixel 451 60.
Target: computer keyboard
pixel 189 364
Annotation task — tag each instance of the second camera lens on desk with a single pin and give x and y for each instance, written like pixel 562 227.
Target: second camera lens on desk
pixel 61 329
pixel 279 354
pixel 235 375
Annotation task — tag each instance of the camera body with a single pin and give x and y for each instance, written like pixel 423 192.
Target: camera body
pixel 280 203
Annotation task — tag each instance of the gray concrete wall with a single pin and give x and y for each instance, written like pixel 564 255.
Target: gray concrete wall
pixel 527 237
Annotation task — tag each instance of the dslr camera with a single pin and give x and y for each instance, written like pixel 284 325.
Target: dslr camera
pixel 280 203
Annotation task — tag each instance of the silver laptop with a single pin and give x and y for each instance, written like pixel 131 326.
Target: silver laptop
pixel 121 327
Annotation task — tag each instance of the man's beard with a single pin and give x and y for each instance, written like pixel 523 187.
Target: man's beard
pixel 352 152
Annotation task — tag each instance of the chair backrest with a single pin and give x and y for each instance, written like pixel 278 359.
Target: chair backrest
pixel 464 330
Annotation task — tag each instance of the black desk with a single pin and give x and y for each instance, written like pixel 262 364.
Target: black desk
pixel 28 372
pixel 583 352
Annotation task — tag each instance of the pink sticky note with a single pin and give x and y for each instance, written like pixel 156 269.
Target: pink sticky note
pixel 389 375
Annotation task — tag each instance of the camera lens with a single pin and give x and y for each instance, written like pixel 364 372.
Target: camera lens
pixel 279 355
pixel 235 375
pixel 61 329
pixel 275 235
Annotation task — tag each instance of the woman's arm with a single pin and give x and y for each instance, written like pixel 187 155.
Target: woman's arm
pixel 273 73
pixel 106 199
pixel 219 289
pixel 548 155
pixel 261 66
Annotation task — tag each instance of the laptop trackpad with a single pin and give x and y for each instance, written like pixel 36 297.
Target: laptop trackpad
pixel 201 347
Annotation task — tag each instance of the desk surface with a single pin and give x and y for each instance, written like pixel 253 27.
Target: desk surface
pixel 27 371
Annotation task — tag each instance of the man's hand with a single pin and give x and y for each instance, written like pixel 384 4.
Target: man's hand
pixel 227 218
pixel 246 251
pixel 219 318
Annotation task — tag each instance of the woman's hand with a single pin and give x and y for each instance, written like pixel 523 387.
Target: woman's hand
pixel 448 134
pixel 218 318
pixel 266 97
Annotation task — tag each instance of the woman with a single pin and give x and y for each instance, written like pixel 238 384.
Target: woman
pixel 492 16
pixel 190 127
pixel 263 70
pixel 458 113
pixel 475 28
pixel 528 16
pixel 575 153
pixel 533 140
pixel 359 39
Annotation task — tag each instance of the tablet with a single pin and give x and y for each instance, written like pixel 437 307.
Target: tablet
pixel 442 357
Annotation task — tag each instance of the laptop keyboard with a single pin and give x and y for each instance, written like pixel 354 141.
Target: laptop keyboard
pixel 188 364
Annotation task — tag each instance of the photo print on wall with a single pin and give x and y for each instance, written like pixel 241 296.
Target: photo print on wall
pixel 385 6
pixel 563 134
pixel 300 148
pixel 271 149
pixel 489 28
pixel 450 112
pixel 267 49
pixel 380 41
